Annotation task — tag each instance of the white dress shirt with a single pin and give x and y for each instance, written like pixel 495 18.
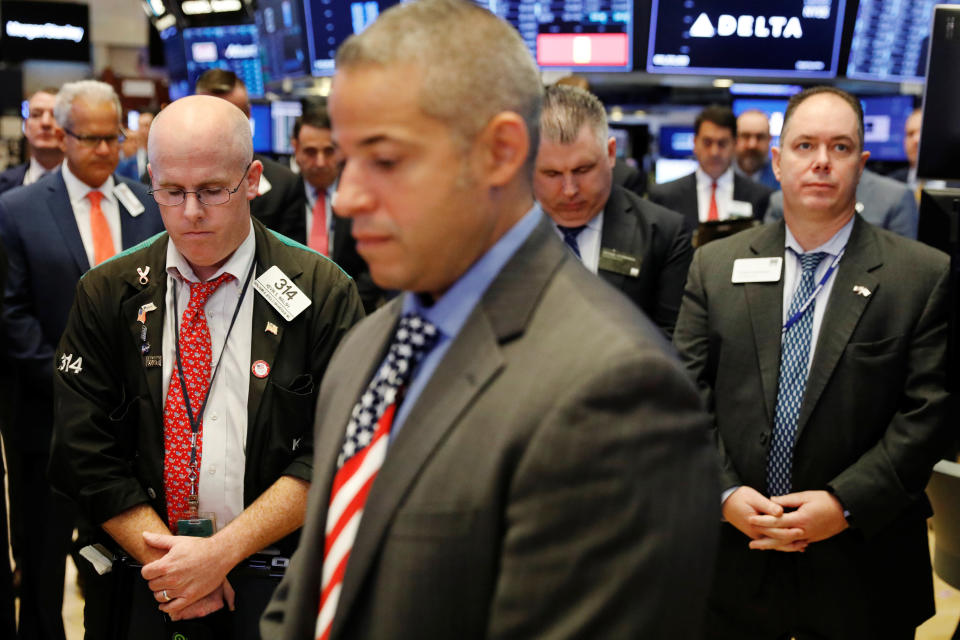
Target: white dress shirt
pixel 724 193
pixel 588 241
pixel 224 435
pixel 793 267
pixel 311 199
pixel 35 171
pixel 77 192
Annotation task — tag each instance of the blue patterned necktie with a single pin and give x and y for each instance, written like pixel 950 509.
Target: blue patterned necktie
pixel 794 355
pixel 570 237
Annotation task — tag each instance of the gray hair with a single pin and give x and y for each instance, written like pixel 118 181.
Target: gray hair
pixel 91 91
pixel 474 65
pixel 566 109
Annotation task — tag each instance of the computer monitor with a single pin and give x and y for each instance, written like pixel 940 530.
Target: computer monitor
pixel 283 39
pixel 939 157
pixel 787 38
pixel 234 47
pixel 283 113
pixel 261 127
pixel 676 142
pixel 667 169
pixel 884 119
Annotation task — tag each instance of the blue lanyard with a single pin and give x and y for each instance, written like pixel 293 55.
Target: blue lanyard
pixel 792 320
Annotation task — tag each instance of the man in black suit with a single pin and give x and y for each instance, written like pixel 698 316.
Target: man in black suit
pixel 714 191
pixel 315 225
pixel 639 247
pixel 40 130
pixel 279 196
pixel 820 344
pixel 55 230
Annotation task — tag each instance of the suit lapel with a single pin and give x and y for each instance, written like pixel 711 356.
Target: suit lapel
pixel 691 202
pixel 765 308
pixel 474 358
pixel 618 233
pixel 844 310
pixel 130 225
pixel 58 203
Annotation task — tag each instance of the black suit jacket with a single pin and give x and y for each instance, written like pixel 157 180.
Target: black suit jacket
pixel 873 422
pixel 107 451
pixel 13 177
pixel 680 195
pixel 629 178
pixel 658 238
pixel 550 481
pixel 283 201
pixel 46 259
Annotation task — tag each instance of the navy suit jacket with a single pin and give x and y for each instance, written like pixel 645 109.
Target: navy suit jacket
pixel 46 259
pixel 13 177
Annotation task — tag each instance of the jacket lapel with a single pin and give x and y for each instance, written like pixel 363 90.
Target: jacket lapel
pixel 765 308
pixel 618 233
pixel 474 358
pixel 843 312
pixel 58 203
pixel 130 225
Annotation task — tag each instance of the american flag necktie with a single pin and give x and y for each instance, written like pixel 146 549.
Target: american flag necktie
pixel 363 451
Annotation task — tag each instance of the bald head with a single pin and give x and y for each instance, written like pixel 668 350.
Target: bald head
pixel 200 125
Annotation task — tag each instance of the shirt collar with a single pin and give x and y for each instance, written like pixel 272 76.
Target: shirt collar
pixel 725 179
pixel 312 191
pixel 238 265
pixel 450 312
pixel 833 246
pixel 78 190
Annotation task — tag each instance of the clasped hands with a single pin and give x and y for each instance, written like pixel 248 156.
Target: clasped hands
pixel 190 580
pixel 817 515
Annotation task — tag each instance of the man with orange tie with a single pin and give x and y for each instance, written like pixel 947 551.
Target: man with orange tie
pixel 55 230
pixel 713 191
pixel 318 227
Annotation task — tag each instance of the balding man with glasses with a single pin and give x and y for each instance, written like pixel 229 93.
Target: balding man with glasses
pixel 186 381
pixel 54 230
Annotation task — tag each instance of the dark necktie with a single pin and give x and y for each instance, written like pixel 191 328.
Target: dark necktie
pixel 362 453
pixel 794 355
pixel 570 237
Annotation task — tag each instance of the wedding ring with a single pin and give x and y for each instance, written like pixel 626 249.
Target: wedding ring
pixel 166 598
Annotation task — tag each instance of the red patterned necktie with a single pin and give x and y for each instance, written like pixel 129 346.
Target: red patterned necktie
pixel 319 234
pixel 195 354
pixel 713 213
pixel 362 453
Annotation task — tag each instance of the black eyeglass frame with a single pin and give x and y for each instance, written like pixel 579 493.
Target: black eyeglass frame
pixel 230 192
pixel 94 141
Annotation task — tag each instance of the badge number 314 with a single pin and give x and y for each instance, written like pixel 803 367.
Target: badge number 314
pixel 282 294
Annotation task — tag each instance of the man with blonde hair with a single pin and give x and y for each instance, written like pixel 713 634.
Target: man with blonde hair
pixel 506 449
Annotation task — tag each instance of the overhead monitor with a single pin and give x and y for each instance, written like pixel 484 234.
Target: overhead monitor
pixel 283 39
pixel 890 40
pixel 676 142
pixel 939 157
pixel 175 62
pixel 572 34
pixel 44 31
pixel 330 22
pixel 235 47
pixel 260 127
pixel 283 113
pixel 787 38
pixel 884 119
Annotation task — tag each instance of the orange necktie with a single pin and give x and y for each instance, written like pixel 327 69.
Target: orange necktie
pixel 102 240
pixel 713 213
pixel 319 236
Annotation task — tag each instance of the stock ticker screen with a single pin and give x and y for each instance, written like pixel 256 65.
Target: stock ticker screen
pixel 283 41
pixel 330 22
pixel 234 47
pixel 585 35
pixel 787 38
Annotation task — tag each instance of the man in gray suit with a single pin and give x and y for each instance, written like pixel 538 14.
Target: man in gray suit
pixel 543 470
pixel 880 200
pixel 820 344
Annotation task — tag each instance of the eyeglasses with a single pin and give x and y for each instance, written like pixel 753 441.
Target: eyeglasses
pixel 94 141
pixel 211 196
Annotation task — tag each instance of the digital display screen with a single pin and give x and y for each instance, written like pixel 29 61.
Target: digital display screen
pixel 283 113
pixel 596 35
pixel 787 38
pixel 44 31
pixel 236 48
pixel 176 63
pixel 667 169
pixel 884 119
pixel 283 39
pixel 260 127
pixel 330 22
pixel 676 142
pixel 890 40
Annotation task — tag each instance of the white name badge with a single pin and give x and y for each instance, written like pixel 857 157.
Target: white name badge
pixel 740 209
pixel 281 293
pixel 756 270
pixel 264 185
pixel 127 199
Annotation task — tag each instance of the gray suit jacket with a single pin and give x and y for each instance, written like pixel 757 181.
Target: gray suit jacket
pixel 885 203
pixel 874 417
pixel 553 480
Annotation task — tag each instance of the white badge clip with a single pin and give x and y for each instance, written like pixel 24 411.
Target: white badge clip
pixel 756 270
pixel 264 186
pixel 284 296
pixel 128 200
pixel 740 209
pixel 143 272
pixel 861 290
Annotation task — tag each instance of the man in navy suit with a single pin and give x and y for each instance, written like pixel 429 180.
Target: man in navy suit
pixel 40 130
pixel 54 231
